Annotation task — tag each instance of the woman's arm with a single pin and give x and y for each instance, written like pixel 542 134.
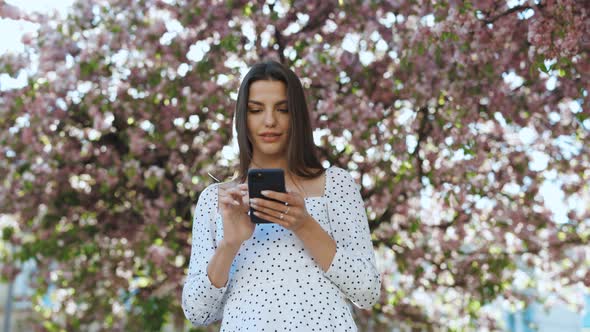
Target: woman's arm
pixel 202 302
pixel 353 268
pixel 220 264
pixel 319 243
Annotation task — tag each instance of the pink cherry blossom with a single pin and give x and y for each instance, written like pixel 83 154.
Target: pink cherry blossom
pixel 432 110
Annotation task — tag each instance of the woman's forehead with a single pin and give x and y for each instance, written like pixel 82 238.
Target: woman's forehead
pixel 267 91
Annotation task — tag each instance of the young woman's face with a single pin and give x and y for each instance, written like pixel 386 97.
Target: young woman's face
pixel 268 118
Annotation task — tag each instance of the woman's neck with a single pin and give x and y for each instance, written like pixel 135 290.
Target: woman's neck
pixel 291 180
pixel 269 163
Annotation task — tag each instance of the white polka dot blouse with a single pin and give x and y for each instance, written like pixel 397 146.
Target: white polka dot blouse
pixel 274 283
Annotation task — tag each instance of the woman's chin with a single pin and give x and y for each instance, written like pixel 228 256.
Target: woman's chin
pixel 273 151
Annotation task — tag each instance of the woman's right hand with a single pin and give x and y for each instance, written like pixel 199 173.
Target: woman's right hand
pixel 234 204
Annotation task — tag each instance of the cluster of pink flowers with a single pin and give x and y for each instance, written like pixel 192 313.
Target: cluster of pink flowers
pixel 440 112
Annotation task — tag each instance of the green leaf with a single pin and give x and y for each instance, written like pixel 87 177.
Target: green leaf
pixel 23 168
pixel 204 66
pixel 28 186
pixel 18 104
pixel 89 249
pixel 50 220
pixel 438 56
pixel 230 43
pixel 474 306
pixel 414 226
pixel 67 198
pixel 419 271
pixel 542 67
pixel 467 7
pixel 87 69
pixel 248 9
pixel 300 46
pixel 152 182
pixel 7 68
pixel 104 188
pixel 156 308
pixel 420 48
pixel 7 233
pixel 154 78
pixel 274 16
pixel 488 69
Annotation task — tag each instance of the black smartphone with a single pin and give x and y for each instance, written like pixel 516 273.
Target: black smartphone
pixel 264 179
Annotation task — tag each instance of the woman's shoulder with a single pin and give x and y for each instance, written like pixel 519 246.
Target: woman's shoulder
pixel 340 180
pixel 209 193
pixel 215 187
pixel 335 171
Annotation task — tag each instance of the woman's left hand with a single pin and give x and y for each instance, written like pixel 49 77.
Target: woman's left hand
pixel 290 213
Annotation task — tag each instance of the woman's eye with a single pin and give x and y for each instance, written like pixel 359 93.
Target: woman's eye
pixel 283 110
pixel 253 111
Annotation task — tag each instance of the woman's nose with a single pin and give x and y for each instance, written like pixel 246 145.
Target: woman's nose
pixel 269 118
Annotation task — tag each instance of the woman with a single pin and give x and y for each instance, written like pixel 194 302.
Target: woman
pixel 296 273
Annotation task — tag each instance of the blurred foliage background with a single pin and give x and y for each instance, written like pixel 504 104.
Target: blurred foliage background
pixel 466 123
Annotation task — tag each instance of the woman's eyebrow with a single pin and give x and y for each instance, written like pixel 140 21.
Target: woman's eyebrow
pixel 260 103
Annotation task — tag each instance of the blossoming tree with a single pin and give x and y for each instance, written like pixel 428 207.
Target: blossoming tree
pixel 462 121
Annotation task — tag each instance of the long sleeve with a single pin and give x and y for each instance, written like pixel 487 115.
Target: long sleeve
pixel 202 302
pixel 353 268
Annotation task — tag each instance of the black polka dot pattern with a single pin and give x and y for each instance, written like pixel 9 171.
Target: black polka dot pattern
pixel 353 268
pixel 201 301
pixel 275 284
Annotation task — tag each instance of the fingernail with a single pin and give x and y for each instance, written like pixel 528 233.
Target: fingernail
pixel 236 203
pixel 264 192
pixel 253 200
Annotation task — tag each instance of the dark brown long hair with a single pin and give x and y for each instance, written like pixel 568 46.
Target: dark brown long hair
pixel 302 157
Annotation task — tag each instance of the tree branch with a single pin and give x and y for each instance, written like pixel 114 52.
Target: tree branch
pixel 422 133
pixel 320 19
pixel 278 38
pixel 493 19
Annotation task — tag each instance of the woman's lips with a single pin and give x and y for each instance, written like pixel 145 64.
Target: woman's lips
pixel 270 138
